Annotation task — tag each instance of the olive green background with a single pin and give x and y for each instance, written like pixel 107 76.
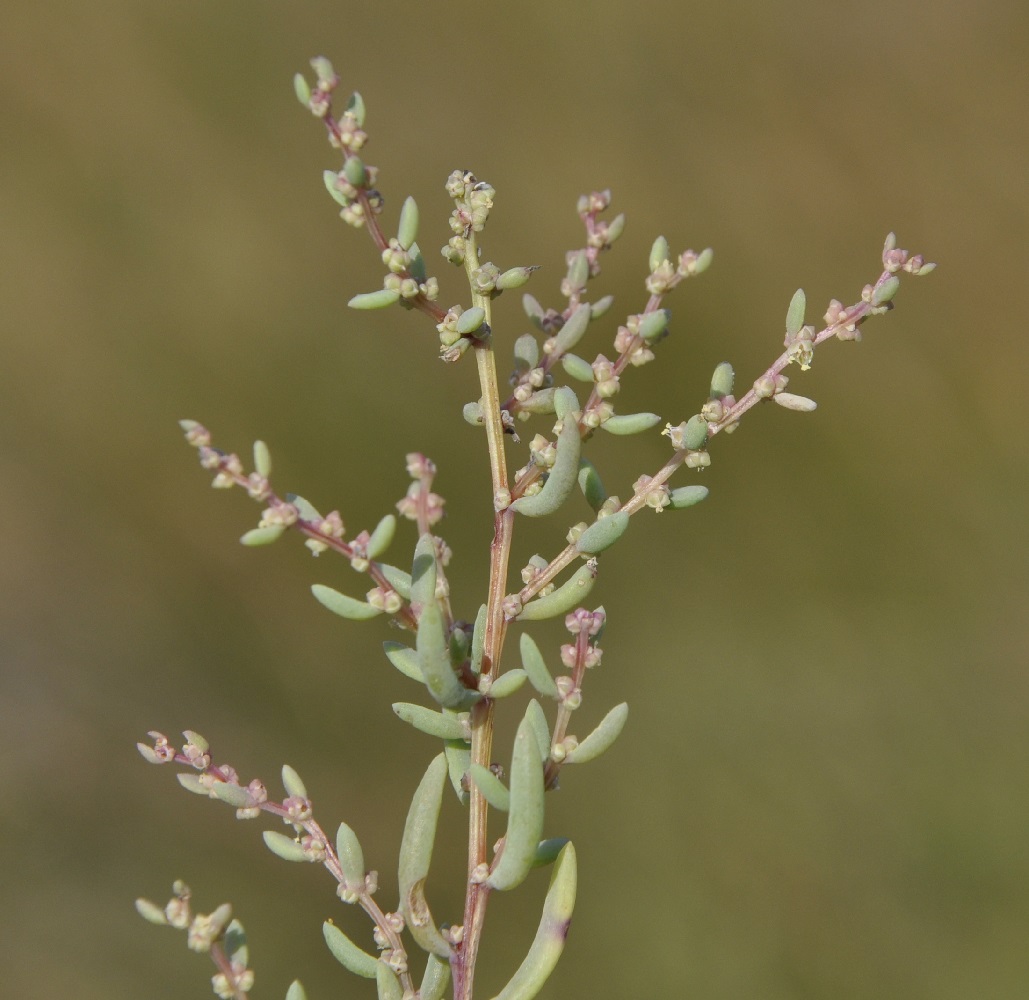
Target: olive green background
pixel 822 788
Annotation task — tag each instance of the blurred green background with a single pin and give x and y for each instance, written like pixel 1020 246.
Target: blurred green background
pixel 822 790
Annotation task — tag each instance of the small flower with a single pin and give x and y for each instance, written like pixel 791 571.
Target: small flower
pixel 298 810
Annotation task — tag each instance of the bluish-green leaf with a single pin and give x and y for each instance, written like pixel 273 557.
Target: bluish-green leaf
pixel 434 661
pixel 435 980
pixel 381 538
pixel 262 459
pixel 404 658
pixel 459 760
pixel 416 856
pixel 232 795
pixel 601 738
pixel 602 533
pixel 551 935
pixel 562 600
pixel 397 579
pixel 540 728
pixel 590 484
pixel 687 496
pixel 357 960
pixel 578 368
pixel 525 812
pixel 375 300
pixel 292 783
pixel 423 571
pixel 296 991
pixel 526 352
pixel 494 791
pixel 562 477
pixel 262 536
pixel 574 327
pixel 478 640
pixel 535 666
pixel 425 720
pixel 795 313
pixel 387 982
pixel 407 230
pixel 284 847
pixel 722 380
pixel 624 424
pixel 351 858
pixel 507 684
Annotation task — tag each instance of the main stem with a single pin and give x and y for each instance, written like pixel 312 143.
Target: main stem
pixel 482 713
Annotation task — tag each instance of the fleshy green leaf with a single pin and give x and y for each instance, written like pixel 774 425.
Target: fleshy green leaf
pixel 574 327
pixel 151 912
pixel 425 720
pixel 601 738
pixel 285 847
pixel 542 401
pixel 695 434
pixel 525 812
pixel 659 253
pixel 590 484
pixel 292 783
pixel 721 380
pixel 347 953
pixel 375 300
pixel 478 641
pixel 435 980
pixel 603 533
pixel 795 313
pixel 578 368
pixel 262 536
pixel 296 991
pixel 549 942
pixel 434 660
pixel 262 459
pixel 351 858
pixel 562 477
pixel 387 983
pixel 340 604
pixel 405 659
pixel 470 320
pixel 235 943
pixel 885 292
pixel 654 324
pixel 548 850
pixel 423 571
pixel 416 855
pixel 355 107
pixel 459 760
pixel 526 352
pixel 407 230
pixel 494 791
pixel 397 579
pixel 307 511
pixel 687 496
pixel 302 89
pixel 330 178
pixel 191 782
pixel 535 666
pixel 382 536
pixel 507 684
pixel 232 795
pixel 355 172
pixel 564 598
pixel 540 728
pixel 630 423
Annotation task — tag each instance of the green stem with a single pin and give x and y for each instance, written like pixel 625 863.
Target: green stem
pixel 482 713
